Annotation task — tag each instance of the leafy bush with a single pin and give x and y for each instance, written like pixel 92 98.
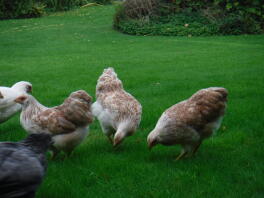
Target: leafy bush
pixel 237 24
pixel 171 25
pixel 62 5
pixel 188 17
pixel 102 1
pixel 36 8
pixel 20 9
pixel 139 8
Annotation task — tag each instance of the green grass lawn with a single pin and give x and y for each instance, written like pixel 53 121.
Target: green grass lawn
pixel 67 51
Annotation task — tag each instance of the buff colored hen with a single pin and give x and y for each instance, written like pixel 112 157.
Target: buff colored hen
pixel 68 123
pixel 189 122
pixel 118 112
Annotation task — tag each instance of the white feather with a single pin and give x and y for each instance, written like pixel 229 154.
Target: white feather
pixel 7 105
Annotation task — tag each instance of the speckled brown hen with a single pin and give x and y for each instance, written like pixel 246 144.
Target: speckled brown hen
pixel 68 123
pixel 118 112
pixel 189 122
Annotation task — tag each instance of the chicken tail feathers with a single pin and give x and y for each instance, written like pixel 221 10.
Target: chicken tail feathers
pixel 223 92
pixel 77 108
pixel 211 102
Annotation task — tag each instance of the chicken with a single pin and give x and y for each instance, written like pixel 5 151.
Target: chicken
pixel 23 165
pixel 68 123
pixel 118 112
pixel 189 122
pixel 7 96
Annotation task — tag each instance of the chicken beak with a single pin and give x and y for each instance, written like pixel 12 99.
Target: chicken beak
pixel 117 140
pixel 150 146
pixel 17 101
pixel 20 99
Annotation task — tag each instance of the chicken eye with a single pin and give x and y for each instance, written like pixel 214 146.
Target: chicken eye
pixel 29 89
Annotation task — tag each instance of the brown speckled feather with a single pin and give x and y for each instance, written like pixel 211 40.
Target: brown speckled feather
pixel 203 107
pixel 190 121
pixel 68 123
pixel 118 111
pixel 73 113
pixel 76 108
pixel 113 97
pixel 55 121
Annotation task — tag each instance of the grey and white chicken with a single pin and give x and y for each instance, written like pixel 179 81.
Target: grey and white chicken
pixel 68 122
pixel 23 165
pixel 189 122
pixel 7 96
pixel 118 112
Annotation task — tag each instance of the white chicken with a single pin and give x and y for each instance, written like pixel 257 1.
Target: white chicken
pixel 189 122
pixel 118 112
pixel 68 122
pixel 7 96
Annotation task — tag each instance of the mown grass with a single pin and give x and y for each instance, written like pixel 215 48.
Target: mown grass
pixel 65 52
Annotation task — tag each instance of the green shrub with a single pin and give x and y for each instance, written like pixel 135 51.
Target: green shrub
pixel 60 5
pixel 171 25
pixel 102 1
pixel 203 17
pixel 20 9
pixel 36 8
pixel 237 24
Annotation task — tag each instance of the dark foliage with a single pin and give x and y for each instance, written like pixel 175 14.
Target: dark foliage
pixel 186 17
pixel 62 5
pixel 20 9
pixel 10 9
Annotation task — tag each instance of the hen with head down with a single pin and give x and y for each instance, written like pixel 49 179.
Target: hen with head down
pixel 189 122
pixel 118 112
pixel 68 122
